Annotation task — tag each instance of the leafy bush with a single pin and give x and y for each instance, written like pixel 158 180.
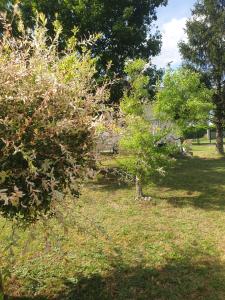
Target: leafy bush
pixel 183 99
pixel 48 104
pixel 146 156
pixel 193 132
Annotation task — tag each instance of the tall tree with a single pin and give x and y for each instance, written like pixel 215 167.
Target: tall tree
pixel 184 100
pixel 126 27
pixel 204 51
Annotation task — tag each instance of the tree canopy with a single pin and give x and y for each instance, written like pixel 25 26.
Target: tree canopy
pixel 126 27
pixel 183 99
pixel 204 51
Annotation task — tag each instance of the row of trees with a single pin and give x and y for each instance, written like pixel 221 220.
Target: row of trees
pixel 182 101
pixel 125 28
pixel 126 32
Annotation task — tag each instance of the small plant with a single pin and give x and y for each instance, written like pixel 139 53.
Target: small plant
pixel 146 153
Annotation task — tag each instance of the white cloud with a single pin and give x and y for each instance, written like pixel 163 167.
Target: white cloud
pixel 172 33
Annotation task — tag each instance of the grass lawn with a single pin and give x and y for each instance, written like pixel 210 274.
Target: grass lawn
pixel 118 248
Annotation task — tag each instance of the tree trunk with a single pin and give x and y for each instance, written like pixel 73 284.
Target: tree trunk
pixel 219 118
pixel 219 137
pixel 2 296
pixel 182 145
pixel 139 192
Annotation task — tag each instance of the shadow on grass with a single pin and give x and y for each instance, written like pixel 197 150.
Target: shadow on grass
pixel 191 274
pixel 110 179
pixel 201 175
pixel 200 180
pixel 177 280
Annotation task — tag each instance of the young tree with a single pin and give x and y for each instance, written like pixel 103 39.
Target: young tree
pixel 140 141
pixel 183 99
pixel 48 106
pixel 204 51
pixel 126 28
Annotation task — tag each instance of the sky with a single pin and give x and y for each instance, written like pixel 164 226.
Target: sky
pixel 171 23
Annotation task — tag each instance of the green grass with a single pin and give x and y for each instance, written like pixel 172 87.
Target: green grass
pixel 117 248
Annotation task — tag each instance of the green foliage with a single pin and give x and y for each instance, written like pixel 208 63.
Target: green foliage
pixel 144 157
pixel 195 132
pixel 126 28
pixel 137 93
pixel 47 107
pixel 183 99
pixel 204 51
pixel 140 140
pixel 124 24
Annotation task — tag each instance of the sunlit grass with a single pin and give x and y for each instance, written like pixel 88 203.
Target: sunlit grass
pixel 118 248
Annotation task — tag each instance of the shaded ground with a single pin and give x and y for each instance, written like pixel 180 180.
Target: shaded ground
pixel 127 250
pixel 177 280
pixel 201 180
pixel 174 281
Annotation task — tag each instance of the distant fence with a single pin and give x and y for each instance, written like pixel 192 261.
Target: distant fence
pixel 211 134
pixel 108 143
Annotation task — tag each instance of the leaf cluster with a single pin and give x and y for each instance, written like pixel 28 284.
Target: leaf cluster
pixel 183 99
pixel 144 157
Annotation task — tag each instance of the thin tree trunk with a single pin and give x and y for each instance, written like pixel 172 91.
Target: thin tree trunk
pixel 139 192
pixel 219 118
pixel 219 137
pixel 182 145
